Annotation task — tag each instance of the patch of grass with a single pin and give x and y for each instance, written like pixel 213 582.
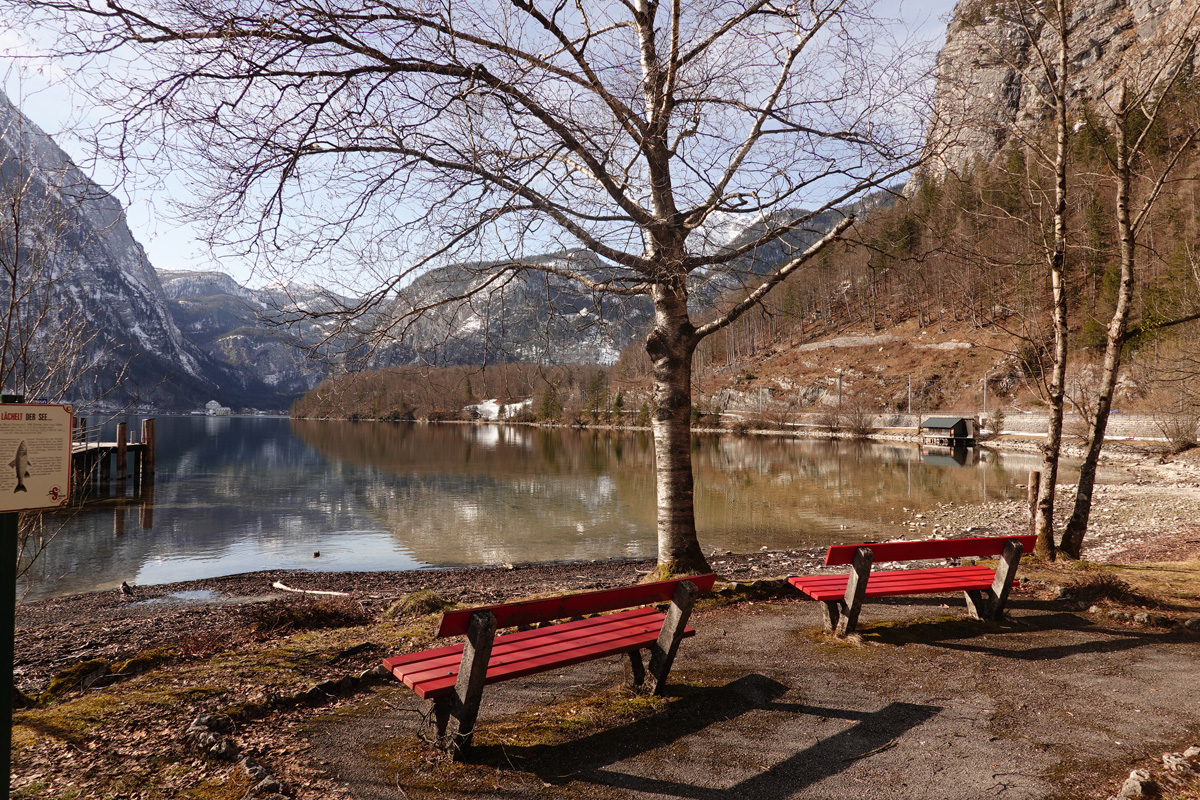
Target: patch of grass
pixel 75 677
pixel 563 722
pixel 233 787
pixel 143 661
pixel 307 612
pixel 418 604
pixel 85 674
pixel 34 791
pixel 1104 587
pixel 126 733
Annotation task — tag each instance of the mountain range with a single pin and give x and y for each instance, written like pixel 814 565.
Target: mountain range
pixel 183 337
pixel 179 338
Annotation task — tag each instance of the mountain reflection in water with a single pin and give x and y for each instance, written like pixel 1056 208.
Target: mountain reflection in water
pixel 242 494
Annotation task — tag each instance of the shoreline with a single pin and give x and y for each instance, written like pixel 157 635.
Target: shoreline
pixel 1155 467
pixel 1152 515
pixel 196 650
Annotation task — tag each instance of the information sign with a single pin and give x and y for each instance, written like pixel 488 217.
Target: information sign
pixel 35 456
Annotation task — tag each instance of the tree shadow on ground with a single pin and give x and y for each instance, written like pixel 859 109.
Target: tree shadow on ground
pixel 589 758
pixel 1013 639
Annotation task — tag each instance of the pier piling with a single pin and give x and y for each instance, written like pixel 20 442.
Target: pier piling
pixel 92 460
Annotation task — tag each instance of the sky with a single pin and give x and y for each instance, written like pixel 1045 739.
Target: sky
pixel 44 95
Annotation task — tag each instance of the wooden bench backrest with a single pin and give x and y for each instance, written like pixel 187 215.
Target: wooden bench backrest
pixel 532 612
pixel 937 548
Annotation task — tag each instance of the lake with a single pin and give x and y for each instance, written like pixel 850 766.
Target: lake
pixel 238 494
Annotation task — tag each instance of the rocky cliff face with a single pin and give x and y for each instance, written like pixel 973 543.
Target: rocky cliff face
pixel 77 259
pixel 227 322
pixel 73 252
pixel 989 80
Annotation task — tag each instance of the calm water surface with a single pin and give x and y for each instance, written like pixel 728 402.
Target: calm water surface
pixel 240 494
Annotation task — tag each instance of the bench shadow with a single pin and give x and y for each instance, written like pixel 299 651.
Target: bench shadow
pixel 588 759
pixel 956 634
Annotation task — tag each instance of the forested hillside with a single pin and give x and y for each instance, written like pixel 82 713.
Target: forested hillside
pixel 943 300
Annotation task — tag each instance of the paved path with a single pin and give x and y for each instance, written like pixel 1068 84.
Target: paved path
pixel 766 707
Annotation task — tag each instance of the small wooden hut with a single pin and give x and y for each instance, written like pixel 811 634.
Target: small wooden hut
pixel 950 431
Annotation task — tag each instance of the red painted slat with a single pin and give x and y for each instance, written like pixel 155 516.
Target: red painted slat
pixel 824 589
pixel 926 588
pixel 516 636
pixel 899 582
pixel 936 548
pixel 521 669
pixel 531 612
pixel 449 657
pixel 551 648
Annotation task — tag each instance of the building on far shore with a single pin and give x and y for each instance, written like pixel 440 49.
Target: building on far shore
pixel 950 431
pixel 214 409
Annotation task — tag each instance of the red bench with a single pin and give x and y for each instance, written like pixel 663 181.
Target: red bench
pixel 986 589
pixel 453 677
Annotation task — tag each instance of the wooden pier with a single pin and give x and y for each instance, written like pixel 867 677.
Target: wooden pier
pixel 100 473
pixel 99 463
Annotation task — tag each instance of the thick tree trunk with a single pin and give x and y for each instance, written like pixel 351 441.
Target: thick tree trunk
pixel 1072 540
pixel 671 345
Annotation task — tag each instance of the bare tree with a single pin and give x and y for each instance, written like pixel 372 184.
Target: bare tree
pixel 1133 119
pixel 628 136
pixel 1029 41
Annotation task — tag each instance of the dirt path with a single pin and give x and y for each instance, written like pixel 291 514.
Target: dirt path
pixel 1054 705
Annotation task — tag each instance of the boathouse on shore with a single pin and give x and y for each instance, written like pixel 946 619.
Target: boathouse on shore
pixel 951 431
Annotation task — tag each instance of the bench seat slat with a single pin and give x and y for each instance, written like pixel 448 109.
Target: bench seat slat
pixel 517 636
pixel 528 612
pixel 900 582
pixel 902 550
pixel 547 650
pixel 506 647
pixel 553 649
pixel 573 655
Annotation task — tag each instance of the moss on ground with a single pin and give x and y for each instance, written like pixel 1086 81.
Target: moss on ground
pixel 124 738
pixel 1171 586
pixel 510 750
pixel 74 677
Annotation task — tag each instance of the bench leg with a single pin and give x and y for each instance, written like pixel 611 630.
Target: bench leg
pixel 989 604
pixel 662 652
pixel 830 611
pixel 856 590
pixel 1006 572
pixel 635 670
pixel 978 606
pixel 468 691
pixel 442 707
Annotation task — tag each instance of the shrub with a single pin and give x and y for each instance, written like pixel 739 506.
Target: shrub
pixel 858 418
pixel 1102 587
pixel 830 419
pixel 306 612
pixel 1179 429
pixel 417 604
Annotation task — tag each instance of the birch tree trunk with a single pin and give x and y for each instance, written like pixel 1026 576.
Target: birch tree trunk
pixel 1043 523
pixel 1072 539
pixel 1148 100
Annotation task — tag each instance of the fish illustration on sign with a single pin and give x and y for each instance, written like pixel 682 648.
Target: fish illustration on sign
pixel 21 462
